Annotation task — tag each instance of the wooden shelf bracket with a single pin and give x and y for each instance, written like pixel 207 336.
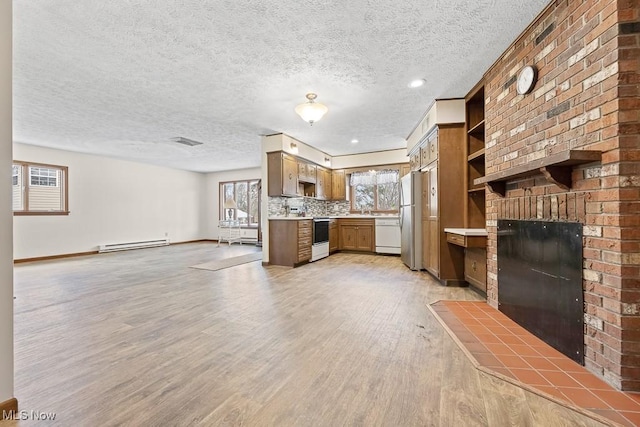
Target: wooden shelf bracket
pixel 558 175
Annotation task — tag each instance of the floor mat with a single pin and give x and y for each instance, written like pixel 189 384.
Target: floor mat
pixel 220 264
pixel 497 345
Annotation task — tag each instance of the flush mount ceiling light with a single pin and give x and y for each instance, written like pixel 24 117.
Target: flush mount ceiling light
pixel 354 141
pixel 311 111
pixel 417 83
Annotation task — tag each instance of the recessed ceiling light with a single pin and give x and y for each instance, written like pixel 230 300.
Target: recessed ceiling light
pixel 417 83
pixel 354 141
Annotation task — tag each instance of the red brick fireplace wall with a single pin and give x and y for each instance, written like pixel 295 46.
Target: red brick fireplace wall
pixel 587 97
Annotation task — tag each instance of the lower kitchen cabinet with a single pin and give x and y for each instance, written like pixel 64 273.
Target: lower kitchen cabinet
pixel 475 267
pixel 356 235
pixel 289 242
pixel 334 239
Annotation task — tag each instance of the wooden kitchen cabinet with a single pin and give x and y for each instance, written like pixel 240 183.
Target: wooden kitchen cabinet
pixel 474 242
pixel 431 257
pixel 432 142
pixel 424 155
pixel 323 183
pixel 365 238
pixel 433 254
pixel 338 185
pixel 307 178
pixel 425 219
pixel 348 237
pixel 290 242
pixel 405 168
pixel 356 234
pixel 306 172
pixel 443 201
pixel 475 268
pixel 414 161
pixel 282 174
pixel 334 239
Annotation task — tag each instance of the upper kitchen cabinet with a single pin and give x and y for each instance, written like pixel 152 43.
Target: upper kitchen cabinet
pixel 414 161
pixel 307 172
pixel 282 174
pixel 404 169
pixel 323 183
pixel 338 185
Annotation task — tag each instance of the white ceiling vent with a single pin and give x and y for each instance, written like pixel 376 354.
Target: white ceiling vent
pixel 186 141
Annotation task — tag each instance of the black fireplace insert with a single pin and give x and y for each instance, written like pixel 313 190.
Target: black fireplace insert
pixel 540 281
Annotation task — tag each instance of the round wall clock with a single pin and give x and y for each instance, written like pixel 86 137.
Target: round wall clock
pixel 526 79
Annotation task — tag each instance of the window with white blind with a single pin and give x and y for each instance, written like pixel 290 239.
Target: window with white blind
pixel 39 189
pixel 375 191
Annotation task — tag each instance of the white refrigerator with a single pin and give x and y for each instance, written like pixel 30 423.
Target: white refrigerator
pixel 411 220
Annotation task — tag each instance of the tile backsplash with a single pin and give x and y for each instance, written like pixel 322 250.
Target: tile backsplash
pixel 312 207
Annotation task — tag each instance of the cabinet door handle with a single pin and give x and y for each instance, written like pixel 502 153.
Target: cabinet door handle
pixel 433 191
pixel 474 266
pixel 291 176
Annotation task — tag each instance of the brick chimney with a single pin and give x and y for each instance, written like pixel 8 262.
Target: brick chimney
pixel 587 54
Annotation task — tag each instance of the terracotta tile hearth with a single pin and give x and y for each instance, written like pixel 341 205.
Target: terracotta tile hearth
pixel 500 347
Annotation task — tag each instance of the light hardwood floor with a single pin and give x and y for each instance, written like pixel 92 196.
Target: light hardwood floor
pixel 138 338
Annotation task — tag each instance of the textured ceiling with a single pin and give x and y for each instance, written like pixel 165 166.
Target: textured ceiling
pixel 121 78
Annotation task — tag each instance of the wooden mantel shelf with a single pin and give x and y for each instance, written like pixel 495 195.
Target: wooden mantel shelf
pixel 555 168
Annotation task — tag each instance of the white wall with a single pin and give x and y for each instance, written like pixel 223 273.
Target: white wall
pixel 6 210
pixel 370 159
pixel 212 198
pixel 111 201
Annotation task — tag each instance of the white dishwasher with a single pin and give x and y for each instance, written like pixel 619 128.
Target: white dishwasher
pixel 388 235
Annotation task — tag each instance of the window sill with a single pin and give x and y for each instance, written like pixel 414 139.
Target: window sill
pixel 42 213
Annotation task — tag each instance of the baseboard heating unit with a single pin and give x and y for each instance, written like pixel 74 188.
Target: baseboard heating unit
pixel 132 245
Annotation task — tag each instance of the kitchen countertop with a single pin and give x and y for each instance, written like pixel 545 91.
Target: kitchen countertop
pixel 289 218
pixel 467 231
pixel 299 218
